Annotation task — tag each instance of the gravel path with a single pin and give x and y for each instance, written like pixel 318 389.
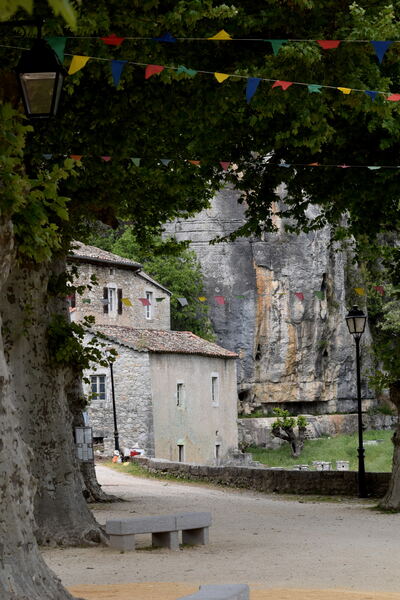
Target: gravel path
pixel 255 538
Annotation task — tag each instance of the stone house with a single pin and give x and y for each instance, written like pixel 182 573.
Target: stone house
pixel 175 393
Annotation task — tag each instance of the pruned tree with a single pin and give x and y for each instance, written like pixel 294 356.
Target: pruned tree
pixel 290 429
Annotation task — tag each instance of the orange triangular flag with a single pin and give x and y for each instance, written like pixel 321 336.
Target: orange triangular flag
pixel 221 35
pixel 194 162
pixel 220 77
pixel 77 63
pixel 76 156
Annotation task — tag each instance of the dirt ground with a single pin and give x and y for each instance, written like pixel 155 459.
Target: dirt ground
pixel 302 550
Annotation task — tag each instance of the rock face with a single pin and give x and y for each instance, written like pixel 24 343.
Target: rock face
pixel 294 346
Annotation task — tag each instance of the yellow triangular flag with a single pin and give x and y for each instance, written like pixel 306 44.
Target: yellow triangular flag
pixel 220 77
pixel 202 298
pixel 78 62
pixel 344 90
pixel 360 291
pixel 126 301
pixel 221 35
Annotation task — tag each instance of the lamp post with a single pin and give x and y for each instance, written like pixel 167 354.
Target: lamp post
pixel 356 320
pixel 116 434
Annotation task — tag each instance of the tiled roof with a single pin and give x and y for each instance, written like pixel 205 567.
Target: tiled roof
pixel 83 251
pixel 176 342
pixel 144 275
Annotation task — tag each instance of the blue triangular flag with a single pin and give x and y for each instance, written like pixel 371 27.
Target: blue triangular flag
pixel 47 156
pixel 372 95
pixel 117 66
pixel 380 49
pixel 167 37
pixel 251 87
pixel 283 164
pixel 165 161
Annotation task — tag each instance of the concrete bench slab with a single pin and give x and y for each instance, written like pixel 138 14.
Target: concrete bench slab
pixel 220 592
pixel 154 524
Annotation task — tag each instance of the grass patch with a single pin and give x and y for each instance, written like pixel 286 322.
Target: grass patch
pixel 378 457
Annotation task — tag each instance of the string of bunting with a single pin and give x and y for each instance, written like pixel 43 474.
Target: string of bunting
pixel 226 165
pixel 222 300
pixel 78 62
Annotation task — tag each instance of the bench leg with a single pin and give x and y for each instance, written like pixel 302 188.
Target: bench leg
pixel 123 542
pixel 195 536
pixel 167 539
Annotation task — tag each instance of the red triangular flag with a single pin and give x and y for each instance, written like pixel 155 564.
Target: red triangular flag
pixel 76 156
pixel 220 299
pixel 283 84
pixel 313 164
pixel 152 70
pixel 299 295
pixel 106 158
pixel 225 165
pixel 380 289
pixel 344 166
pixel 194 162
pixel 145 301
pixel 328 44
pixel 393 97
pixel 112 40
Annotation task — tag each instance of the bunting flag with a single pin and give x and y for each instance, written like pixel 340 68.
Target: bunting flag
pixel 106 158
pixel 183 69
pixel 299 295
pixel 360 291
pixel 76 156
pixel 276 45
pixel 220 300
pixel 251 87
pixel 194 162
pixel 152 70
pixel 136 161
pixel 221 35
pixel 183 301
pixel 86 301
pixel 47 156
pixel 283 84
pixel 344 90
pixel 371 94
pixel 145 301
pixel 393 97
pixel 220 77
pixel 380 49
pixel 58 45
pixel 113 40
pixel 328 44
pixel 165 161
pixel 126 301
pixel 225 165
pixel 314 164
pixel 159 299
pixel 117 66
pixel 202 299
pixel 320 295
pixel 373 168
pixel 167 37
pixel 77 63
pixel 380 289
pixel 313 88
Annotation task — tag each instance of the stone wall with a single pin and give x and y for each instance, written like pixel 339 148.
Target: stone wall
pixel 258 432
pixel 326 483
pixel 292 350
pixel 133 286
pixel 133 400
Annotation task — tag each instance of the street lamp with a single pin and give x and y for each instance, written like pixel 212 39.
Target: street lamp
pixel 40 75
pixel 356 320
pixel 116 434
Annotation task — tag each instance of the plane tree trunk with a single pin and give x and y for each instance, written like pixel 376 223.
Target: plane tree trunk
pixel 391 500
pixel 23 573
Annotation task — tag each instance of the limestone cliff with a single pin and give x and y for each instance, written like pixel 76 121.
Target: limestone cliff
pixel 292 350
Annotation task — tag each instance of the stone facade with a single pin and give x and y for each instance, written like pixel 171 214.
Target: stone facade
pixel 127 284
pixel 294 350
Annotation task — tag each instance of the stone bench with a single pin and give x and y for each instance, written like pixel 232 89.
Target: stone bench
pixel 164 530
pixel 220 592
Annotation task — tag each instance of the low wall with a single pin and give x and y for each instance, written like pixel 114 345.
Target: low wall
pixel 325 483
pixel 258 431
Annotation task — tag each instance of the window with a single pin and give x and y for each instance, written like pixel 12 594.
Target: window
pixel 217 453
pixel 112 299
pixel 98 386
pixel 149 307
pixel 181 452
pixel 214 389
pixel 180 393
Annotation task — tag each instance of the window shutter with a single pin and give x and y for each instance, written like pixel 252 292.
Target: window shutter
pixel 120 301
pixel 73 300
pixel 105 296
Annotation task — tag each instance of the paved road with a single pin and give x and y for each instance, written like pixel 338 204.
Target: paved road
pixel 255 538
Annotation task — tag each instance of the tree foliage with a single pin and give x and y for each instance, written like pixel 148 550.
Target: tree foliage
pixel 176 268
pixel 284 427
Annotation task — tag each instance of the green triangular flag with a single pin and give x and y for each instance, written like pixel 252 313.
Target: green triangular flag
pixel 276 45
pixel 136 161
pixel 314 88
pixel 183 69
pixel 58 45
pixel 320 295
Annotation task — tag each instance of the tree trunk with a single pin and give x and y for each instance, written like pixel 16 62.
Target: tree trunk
pixel 41 390
pixel 391 500
pixel 23 573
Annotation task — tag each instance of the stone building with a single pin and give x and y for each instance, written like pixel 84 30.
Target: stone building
pixel 175 393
